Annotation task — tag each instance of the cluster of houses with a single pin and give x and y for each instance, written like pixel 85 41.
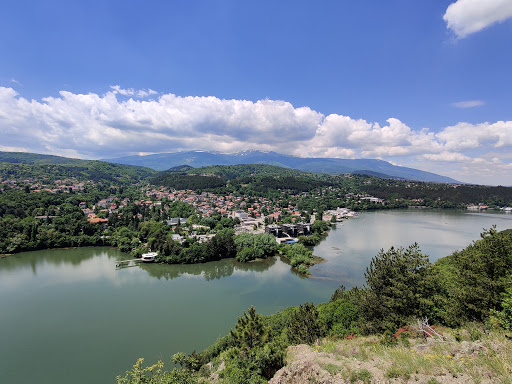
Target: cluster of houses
pixel 109 205
pixel 66 186
pixel 483 207
pixel 477 207
pixel 208 203
pixel 288 232
pixel 339 214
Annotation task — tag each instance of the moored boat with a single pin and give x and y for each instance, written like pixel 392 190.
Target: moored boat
pixel 149 257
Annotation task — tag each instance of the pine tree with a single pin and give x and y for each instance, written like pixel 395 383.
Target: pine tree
pixel 304 326
pixel 250 331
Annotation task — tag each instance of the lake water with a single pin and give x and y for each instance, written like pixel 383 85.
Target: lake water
pixel 354 243
pixel 69 316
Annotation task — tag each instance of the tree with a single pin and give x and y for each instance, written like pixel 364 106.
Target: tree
pixel 504 317
pixel 339 317
pixel 222 245
pixel 253 355
pixel 249 331
pixel 304 326
pixel 398 288
pixel 154 374
pixel 250 246
pixel 476 277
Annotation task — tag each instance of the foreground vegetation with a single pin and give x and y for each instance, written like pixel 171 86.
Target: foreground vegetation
pixel 469 291
pixel 473 354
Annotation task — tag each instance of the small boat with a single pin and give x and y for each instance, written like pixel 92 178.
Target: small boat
pixel 149 257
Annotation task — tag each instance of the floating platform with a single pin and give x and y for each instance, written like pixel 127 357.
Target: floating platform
pixel 127 263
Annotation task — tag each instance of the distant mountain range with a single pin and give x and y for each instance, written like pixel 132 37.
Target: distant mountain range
pixel 378 168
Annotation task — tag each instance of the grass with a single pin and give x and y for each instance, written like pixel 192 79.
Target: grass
pixel 332 368
pixel 473 355
pixel 363 375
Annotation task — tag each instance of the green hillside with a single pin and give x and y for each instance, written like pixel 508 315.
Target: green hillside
pixel 257 178
pixel 17 165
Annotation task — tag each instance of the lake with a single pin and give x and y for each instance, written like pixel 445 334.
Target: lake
pixel 71 316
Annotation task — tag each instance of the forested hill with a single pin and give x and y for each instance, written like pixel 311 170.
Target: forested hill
pixel 247 170
pixel 447 195
pixel 257 178
pixel 17 165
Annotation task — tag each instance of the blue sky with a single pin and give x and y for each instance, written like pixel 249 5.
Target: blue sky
pixel 425 84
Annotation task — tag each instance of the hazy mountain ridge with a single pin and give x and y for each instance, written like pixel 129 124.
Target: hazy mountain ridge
pixel 198 159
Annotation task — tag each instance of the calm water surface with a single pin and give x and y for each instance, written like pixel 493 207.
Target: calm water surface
pixel 351 246
pixel 68 316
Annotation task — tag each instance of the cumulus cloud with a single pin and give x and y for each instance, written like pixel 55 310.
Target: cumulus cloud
pixel 103 126
pixel 121 122
pixel 468 104
pixel 465 136
pixel 465 17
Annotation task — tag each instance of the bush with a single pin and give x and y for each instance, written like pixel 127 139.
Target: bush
pixel 339 317
pixel 363 375
pixel 302 269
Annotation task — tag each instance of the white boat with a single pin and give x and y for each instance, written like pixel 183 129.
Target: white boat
pixel 149 257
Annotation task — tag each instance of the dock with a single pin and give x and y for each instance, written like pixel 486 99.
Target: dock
pixel 127 263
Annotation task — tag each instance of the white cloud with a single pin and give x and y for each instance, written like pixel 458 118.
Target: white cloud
pixel 465 136
pixel 465 17
pixel 103 126
pixel 370 140
pixel 118 123
pixel 447 156
pixel 132 92
pixel 4 148
pixel 468 104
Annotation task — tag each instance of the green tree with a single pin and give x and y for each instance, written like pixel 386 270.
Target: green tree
pixel 476 277
pixel 504 317
pixel 398 288
pixel 253 356
pixel 339 317
pixel 155 374
pixel 304 326
pixel 249 331
pixel 222 245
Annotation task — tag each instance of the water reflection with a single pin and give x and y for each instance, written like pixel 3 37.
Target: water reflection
pixel 210 271
pixel 74 257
